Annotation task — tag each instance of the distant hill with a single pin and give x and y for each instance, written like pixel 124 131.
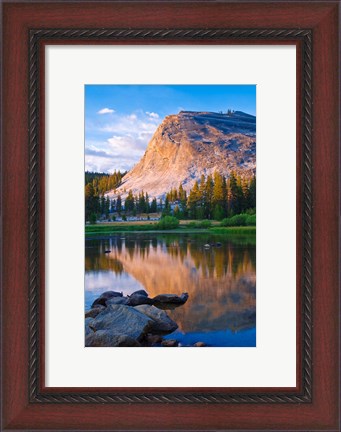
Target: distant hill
pixel 189 144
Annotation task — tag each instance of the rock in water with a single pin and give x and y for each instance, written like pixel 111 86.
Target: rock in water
pixel 117 300
pixel 101 300
pixel 162 323
pixel 107 338
pixel 189 144
pixel 139 292
pixel 139 299
pixel 123 320
pixel 170 299
pixel 92 313
pixel 88 329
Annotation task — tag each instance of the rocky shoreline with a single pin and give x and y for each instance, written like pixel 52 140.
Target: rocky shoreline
pixel 137 320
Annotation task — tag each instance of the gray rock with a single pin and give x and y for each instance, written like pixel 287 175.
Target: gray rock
pixel 153 340
pixel 162 323
pixel 139 292
pixel 170 299
pixel 88 329
pixel 117 300
pixel 104 297
pixel 92 313
pixel 169 343
pixel 107 338
pixel 97 306
pixel 202 135
pixel 138 299
pixel 123 320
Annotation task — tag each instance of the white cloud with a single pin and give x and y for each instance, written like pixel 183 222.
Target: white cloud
pixel 106 111
pixel 152 115
pixel 120 143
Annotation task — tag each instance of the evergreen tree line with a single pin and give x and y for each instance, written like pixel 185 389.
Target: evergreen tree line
pixel 102 182
pixel 96 184
pixel 214 197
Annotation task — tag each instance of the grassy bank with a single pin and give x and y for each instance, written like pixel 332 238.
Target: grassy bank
pixel 243 230
pixel 112 228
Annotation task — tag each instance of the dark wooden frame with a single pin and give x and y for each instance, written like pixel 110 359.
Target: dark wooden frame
pixel 27 403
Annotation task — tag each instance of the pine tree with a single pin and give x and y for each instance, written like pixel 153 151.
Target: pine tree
pixel 236 195
pixel 153 206
pixel 182 193
pixel 208 197
pixel 193 200
pixel 102 204
pixel 167 209
pixel 112 206
pixel 218 196
pixel 107 207
pixel 147 210
pixel 129 204
pixel 90 201
pixel 119 204
pixel 251 194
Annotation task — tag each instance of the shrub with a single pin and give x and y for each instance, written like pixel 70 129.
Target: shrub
pixel 168 222
pixel 200 224
pixel 204 224
pixel 192 225
pixel 251 220
pixel 237 220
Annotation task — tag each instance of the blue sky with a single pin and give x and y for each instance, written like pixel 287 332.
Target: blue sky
pixel 121 119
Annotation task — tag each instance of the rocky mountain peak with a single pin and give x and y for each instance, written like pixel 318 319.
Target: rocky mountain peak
pixel 189 144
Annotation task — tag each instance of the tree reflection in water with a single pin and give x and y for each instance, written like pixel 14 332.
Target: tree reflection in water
pixel 220 280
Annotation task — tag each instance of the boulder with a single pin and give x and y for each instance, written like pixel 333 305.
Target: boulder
pixel 92 313
pixel 170 299
pixel 117 300
pixel 108 338
pixel 153 340
pixel 88 329
pixel 139 292
pixel 139 299
pixel 109 294
pixel 104 297
pixel 161 321
pixel 123 320
pixel 97 306
pixel 169 343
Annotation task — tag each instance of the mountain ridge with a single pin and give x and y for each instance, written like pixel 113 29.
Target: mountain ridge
pixel 190 144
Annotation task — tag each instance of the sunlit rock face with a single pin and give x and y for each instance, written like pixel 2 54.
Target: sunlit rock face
pixel 190 144
pixel 221 282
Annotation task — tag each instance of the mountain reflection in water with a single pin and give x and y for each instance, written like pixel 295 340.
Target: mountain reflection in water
pixel 220 280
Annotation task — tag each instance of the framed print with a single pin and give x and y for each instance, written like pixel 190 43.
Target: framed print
pixel 139 292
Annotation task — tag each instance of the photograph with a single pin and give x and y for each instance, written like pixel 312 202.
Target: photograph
pixel 134 195
pixel 170 215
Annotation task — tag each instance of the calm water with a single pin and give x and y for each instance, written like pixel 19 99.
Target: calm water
pixel 220 281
